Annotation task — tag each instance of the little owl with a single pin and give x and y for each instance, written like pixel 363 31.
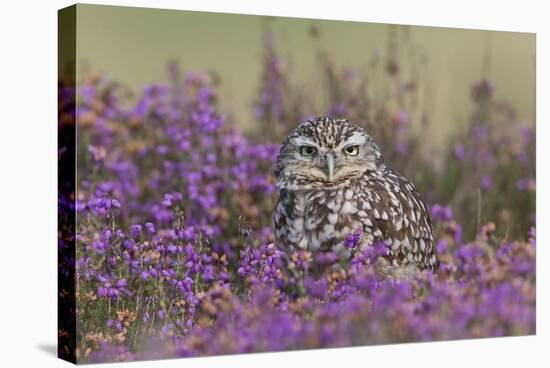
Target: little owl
pixel 332 181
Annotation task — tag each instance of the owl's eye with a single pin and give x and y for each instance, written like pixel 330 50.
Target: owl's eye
pixel 351 150
pixel 307 150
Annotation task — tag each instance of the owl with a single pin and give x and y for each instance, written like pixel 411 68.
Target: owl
pixel 332 181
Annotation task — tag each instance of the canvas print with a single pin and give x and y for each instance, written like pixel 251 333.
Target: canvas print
pixel 236 184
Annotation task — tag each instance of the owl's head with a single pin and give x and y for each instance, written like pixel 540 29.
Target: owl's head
pixel 325 152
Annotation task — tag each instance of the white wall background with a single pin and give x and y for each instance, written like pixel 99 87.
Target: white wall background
pixel 28 174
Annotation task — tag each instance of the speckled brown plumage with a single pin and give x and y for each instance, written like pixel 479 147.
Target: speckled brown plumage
pixel 339 184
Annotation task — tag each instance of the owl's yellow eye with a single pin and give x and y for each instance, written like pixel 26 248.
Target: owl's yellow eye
pixel 307 150
pixel 351 150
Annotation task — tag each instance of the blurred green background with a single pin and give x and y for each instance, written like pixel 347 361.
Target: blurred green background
pixel 133 45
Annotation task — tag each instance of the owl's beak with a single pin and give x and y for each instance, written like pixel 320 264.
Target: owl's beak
pixel 330 165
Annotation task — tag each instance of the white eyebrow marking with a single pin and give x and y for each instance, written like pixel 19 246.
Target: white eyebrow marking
pixel 356 139
pixel 302 141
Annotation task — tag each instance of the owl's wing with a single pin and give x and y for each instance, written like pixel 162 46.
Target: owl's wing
pixel 400 218
pixel 280 219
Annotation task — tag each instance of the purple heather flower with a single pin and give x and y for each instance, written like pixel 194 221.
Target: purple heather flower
pixel 337 110
pixel 168 200
pixel 97 154
pixel 135 230
pixel 208 274
pixel 171 248
pixel 150 228
pixel 458 234
pixel 401 147
pixel 101 291
pixel 167 329
pixel 401 118
pixel 352 239
pixel 527 133
pixel 468 251
pixel 486 182
pixel 144 275
pixel 128 244
pixel 521 184
pixel 482 91
pixel 99 245
pixel 480 132
pixel 441 213
pixel 316 288
pixel 459 152
pixel 375 250
pixel 162 149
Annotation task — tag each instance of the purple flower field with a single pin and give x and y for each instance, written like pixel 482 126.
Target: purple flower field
pixel 175 254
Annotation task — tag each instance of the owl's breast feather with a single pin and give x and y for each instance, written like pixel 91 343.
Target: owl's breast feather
pixel 328 217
